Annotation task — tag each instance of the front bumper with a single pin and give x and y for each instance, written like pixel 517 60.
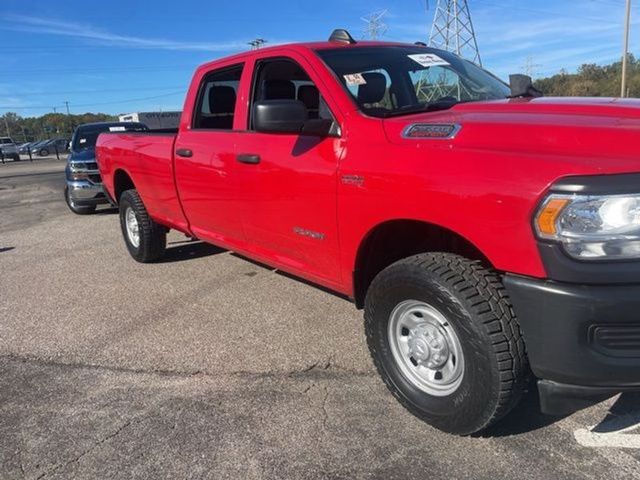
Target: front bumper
pixel 583 341
pixel 85 193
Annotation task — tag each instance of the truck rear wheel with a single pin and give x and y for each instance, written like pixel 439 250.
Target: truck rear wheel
pixel 446 342
pixel 146 240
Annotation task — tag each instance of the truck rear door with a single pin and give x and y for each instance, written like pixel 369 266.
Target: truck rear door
pixel 289 180
pixel 207 173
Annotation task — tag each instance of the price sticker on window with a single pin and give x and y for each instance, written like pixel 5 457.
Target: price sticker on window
pixel 428 59
pixel 355 79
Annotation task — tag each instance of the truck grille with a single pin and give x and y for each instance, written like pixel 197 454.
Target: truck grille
pixel 616 340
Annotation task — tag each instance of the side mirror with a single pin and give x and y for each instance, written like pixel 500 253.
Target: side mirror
pixel 279 116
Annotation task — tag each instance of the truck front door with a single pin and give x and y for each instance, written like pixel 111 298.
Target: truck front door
pixel 289 180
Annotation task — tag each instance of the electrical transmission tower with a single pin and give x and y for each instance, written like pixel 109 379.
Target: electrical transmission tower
pixel 257 43
pixel 375 27
pixel 452 30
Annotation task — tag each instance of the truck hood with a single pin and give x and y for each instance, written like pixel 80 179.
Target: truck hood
pixel 603 133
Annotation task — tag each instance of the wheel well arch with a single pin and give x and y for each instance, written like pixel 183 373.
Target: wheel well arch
pixel 121 181
pixel 394 240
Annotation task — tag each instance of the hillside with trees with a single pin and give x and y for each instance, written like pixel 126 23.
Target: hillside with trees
pixel 593 81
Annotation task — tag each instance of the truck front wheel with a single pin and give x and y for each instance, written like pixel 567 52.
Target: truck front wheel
pixel 146 240
pixel 446 342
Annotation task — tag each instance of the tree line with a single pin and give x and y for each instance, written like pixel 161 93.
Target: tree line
pixel 52 125
pixel 593 80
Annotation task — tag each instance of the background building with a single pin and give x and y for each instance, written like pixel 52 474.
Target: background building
pixel 153 119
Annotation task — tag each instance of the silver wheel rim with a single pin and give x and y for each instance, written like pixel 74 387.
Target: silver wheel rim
pixel 133 229
pixel 426 348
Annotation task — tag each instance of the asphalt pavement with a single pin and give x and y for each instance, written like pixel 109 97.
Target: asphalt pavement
pixel 208 365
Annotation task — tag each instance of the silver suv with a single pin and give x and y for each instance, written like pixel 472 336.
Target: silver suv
pixel 9 149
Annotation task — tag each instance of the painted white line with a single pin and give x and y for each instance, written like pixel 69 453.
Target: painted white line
pixel 614 432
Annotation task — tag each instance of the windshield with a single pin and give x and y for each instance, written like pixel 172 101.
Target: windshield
pixel 396 80
pixel 5 141
pixel 87 136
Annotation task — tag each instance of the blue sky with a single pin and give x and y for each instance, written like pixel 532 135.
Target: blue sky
pixel 123 55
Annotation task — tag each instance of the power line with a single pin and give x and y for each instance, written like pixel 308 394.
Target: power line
pixel 101 69
pixel 82 105
pixel 101 90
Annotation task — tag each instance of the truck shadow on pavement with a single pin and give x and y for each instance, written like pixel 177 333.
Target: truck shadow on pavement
pixel 527 417
pixel 190 250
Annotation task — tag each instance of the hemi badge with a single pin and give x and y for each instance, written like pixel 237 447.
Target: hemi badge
pixel 356 180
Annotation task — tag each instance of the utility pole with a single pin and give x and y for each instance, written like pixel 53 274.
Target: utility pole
pixel 452 30
pixel 67 105
pixel 375 27
pixel 55 110
pixel 625 53
pixel 529 68
pixel 257 43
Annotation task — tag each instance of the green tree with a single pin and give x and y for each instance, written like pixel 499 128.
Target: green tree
pixel 51 125
pixel 593 80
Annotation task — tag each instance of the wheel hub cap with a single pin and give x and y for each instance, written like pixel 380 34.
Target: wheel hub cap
pixel 133 229
pixel 426 348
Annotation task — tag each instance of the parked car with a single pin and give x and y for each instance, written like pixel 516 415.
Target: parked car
pixel 25 148
pixel 486 232
pixel 83 190
pixel 48 147
pixel 9 149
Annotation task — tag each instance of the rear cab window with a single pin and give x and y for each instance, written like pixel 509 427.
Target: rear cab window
pixel 217 96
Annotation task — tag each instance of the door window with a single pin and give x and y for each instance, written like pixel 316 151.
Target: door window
pixel 216 103
pixel 284 79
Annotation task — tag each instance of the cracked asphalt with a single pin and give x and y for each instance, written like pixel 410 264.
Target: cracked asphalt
pixel 208 365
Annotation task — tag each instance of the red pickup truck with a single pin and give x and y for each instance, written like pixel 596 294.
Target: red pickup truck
pixel 488 234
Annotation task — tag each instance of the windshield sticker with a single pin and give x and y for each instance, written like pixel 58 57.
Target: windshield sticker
pixel 428 59
pixel 355 79
pixel 117 129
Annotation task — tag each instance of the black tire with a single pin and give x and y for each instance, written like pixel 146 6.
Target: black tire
pixel 475 303
pixel 44 152
pixel 77 209
pixel 16 158
pixel 152 236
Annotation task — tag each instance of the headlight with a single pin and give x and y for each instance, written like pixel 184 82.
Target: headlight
pixel 603 227
pixel 77 171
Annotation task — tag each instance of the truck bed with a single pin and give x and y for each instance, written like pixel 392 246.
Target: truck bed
pixel 147 157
